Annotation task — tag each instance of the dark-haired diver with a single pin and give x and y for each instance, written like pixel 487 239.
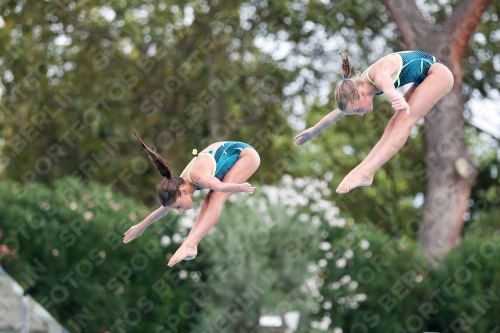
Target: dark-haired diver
pixel 222 167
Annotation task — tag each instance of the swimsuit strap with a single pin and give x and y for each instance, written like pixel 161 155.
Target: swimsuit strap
pixel 190 166
pixel 368 76
pixel 396 78
pixel 213 159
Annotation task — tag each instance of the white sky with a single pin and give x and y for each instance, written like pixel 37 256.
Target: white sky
pixel 486 113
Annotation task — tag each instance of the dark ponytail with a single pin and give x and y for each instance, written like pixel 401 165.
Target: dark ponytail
pixel 161 165
pixel 168 189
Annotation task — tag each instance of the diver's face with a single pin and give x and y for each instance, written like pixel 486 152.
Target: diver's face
pixel 184 202
pixel 360 106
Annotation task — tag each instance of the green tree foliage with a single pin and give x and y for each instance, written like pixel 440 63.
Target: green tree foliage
pixel 283 249
pixel 74 72
pixel 189 75
pixel 70 257
pixel 263 255
pixel 481 68
pixel 368 275
pixel 482 217
pixel 375 283
pixel 468 287
pixel 184 76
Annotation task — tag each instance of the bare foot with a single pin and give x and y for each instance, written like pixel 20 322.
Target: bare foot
pixel 351 181
pixel 185 252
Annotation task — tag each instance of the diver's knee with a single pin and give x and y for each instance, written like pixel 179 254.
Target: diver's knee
pixel 450 81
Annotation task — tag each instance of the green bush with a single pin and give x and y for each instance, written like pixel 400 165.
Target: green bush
pixel 370 281
pixel 281 249
pixel 467 287
pixel 374 283
pixel 262 256
pixel 70 257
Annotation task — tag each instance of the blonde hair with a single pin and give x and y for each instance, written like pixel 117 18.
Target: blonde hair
pixel 347 90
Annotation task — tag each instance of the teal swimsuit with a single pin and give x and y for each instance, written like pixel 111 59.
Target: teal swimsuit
pixel 224 158
pixel 414 68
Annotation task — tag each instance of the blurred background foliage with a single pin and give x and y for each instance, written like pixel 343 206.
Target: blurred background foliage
pixel 75 76
pixel 283 249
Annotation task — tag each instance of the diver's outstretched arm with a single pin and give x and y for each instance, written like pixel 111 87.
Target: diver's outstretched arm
pixel 312 133
pixel 136 230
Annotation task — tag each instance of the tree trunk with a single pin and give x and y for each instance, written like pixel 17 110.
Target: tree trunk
pixel 450 176
pixel 450 172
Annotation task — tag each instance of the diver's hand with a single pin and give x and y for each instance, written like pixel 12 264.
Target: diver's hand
pixel 304 136
pixel 247 188
pixel 132 233
pixel 399 104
